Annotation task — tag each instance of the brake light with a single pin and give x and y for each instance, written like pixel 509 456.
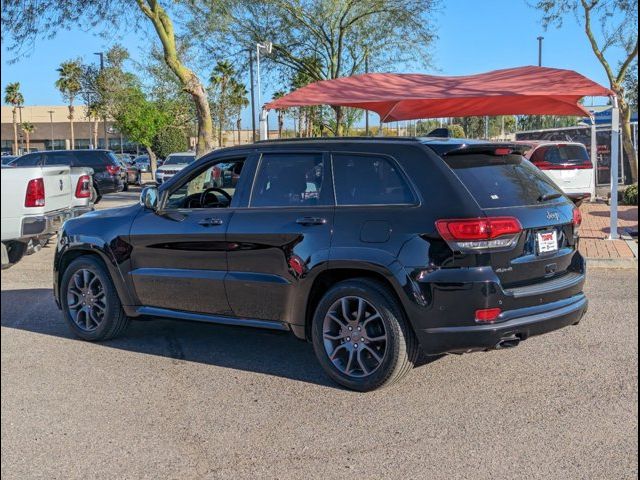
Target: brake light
pixel 487 315
pixel 577 217
pixel 480 233
pixel 83 188
pixel 502 151
pixel 113 169
pixel 586 165
pixel 35 193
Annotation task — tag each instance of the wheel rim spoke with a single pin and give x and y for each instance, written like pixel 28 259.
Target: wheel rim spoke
pixel 352 325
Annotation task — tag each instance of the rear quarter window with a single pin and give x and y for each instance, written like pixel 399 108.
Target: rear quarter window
pixel 501 181
pixel 362 179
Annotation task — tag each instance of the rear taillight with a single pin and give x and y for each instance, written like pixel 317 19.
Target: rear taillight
pixel 83 188
pixel 35 193
pixel 577 218
pixel 474 234
pixel 113 169
pixel 487 315
pixel 586 165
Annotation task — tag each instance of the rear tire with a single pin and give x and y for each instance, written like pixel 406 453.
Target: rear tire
pixel 90 302
pixel 347 331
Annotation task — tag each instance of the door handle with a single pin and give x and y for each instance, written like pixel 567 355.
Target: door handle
pixel 210 222
pixel 311 221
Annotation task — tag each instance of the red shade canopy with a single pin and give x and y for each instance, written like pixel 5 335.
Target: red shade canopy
pixel 513 91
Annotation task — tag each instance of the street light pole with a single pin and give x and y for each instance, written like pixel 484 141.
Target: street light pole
pixel 104 119
pixel 264 128
pixel 366 118
pixel 540 51
pixel 253 100
pixel 51 123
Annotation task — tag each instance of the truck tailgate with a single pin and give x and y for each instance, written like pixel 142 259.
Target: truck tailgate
pixel 57 188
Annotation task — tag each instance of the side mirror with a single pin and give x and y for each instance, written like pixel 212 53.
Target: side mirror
pixel 149 198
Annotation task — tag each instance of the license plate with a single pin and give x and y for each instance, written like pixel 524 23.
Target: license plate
pixel 547 241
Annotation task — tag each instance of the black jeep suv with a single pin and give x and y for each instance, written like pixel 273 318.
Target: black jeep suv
pixel 372 249
pixel 107 170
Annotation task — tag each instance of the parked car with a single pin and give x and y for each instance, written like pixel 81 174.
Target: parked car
pixel 173 164
pixel 567 163
pixel 35 202
pixel 107 176
pixel 7 159
pixel 371 249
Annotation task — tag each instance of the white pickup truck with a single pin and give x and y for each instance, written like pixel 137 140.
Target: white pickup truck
pixel 35 201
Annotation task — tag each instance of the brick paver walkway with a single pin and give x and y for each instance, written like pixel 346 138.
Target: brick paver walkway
pixel 595 231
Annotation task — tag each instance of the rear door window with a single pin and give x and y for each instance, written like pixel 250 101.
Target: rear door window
pixel 58 158
pixel 362 179
pixel 501 181
pixel 291 180
pixel 28 160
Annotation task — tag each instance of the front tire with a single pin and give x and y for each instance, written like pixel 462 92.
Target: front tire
pixel 360 336
pixel 90 302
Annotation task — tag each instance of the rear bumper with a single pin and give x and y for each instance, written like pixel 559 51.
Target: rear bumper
pixel 50 223
pixel 524 323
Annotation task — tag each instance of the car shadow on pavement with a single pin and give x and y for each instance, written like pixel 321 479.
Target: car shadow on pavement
pixel 242 348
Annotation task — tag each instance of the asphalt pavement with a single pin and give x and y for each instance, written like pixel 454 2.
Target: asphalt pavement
pixel 185 400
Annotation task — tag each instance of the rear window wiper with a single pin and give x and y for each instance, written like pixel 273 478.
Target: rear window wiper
pixel 548 196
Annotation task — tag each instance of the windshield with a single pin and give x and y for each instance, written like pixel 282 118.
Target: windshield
pixel 178 159
pixel 561 154
pixel 501 181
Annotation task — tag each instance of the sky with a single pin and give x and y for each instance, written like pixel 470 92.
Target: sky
pixel 473 37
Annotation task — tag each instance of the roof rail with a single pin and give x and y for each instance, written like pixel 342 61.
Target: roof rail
pixel 334 139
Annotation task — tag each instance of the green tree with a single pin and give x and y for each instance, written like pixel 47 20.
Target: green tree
pixel 238 101
pixel 69 84
pixel 24 21
pixel 337 34
pixel 28 128
pixel 169 139
pixel 140 120
pixel 13 97
pixel 618 22
pixel 456 131
pixel 221 80
pixel 631 86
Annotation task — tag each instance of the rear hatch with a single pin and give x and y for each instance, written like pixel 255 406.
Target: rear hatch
pixel 567 164
pixel 534 222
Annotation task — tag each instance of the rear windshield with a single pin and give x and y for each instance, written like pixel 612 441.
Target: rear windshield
pixel 501 181
pixel 561 154
pixel 178 159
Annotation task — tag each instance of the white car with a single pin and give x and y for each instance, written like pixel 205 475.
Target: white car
pixel 567 163
pixel 35 203
pixel 173 164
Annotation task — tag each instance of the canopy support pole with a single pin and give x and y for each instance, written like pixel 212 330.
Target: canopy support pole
pixel 264 132
pixel 594 159
pixel 615 157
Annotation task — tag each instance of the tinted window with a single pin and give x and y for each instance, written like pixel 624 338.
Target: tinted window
pixel 28 160
pixel 179 159
pixel 369 180
pixel 501 181
pixel 561 154
pixel 285 180
pixel 58 158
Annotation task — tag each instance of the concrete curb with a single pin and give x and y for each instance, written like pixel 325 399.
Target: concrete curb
pixel 617 263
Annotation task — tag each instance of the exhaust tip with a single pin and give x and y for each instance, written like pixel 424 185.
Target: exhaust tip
pixel 510 341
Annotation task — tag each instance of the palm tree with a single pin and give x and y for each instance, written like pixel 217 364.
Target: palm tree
pixel 280 112
pixel 28 128
pixel 70 74
pixel 238 101
pixel 13 97
pixel 220 78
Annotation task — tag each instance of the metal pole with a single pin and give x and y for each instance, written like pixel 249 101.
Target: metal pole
pixel 21 130
pixel 594 159
pixel 366 114
pixel 258 73
pixel 615 156
pixel 540 51
pixel 104 118
pixel 253 100
pixel 51 123
pixel 486 127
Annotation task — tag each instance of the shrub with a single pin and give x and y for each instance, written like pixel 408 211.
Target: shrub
pixel 169 140
pixel 631 195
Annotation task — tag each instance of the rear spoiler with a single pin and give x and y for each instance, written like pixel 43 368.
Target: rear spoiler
pixel 497 149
